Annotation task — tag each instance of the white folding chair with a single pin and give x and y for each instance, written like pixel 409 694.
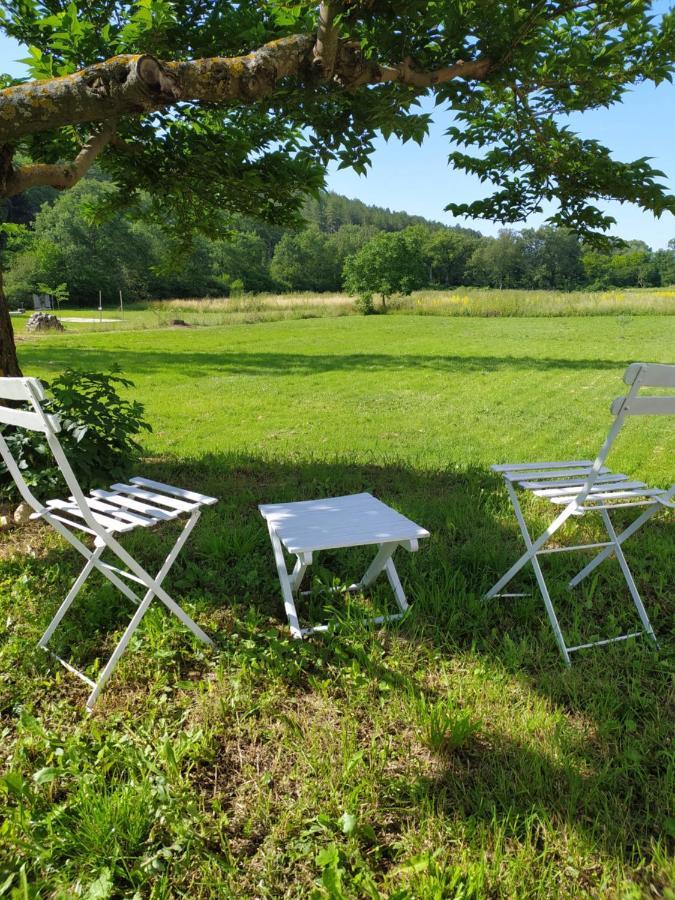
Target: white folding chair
pixel 582 486
pixel 103 514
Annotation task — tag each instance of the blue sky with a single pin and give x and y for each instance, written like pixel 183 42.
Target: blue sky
pixel 419 180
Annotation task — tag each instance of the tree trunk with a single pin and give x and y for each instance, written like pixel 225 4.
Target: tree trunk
pixel 9 364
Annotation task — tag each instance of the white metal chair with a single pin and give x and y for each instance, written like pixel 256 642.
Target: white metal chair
pixel 103 514
pixel 582 486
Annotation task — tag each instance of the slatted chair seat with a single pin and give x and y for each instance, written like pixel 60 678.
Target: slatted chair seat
pixel 125 507
pixel 104 515
pixel 559 482
pixel 582 486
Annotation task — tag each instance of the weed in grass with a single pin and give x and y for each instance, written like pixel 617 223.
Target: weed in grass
pixel 445 728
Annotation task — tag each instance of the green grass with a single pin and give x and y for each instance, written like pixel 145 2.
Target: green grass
pixel 450 756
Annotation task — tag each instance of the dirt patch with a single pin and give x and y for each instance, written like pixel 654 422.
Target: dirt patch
pixel 22 540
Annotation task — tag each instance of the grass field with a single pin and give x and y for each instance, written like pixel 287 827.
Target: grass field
pixel 449 756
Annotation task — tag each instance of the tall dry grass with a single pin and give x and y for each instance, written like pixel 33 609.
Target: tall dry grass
pixel 454 302
pixel 486 302
pixel 250 308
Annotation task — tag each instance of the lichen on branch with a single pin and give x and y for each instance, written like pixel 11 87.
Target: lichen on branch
pixel 134 85
pixel 57 175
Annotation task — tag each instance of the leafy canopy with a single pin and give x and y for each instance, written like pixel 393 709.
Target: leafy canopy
pixel 204 162
pixel 389 264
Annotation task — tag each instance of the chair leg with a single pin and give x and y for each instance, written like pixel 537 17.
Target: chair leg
pixel 119 650
pixel 166 599
pixel 531 556
pixel 628 575
pixel 553 619
pixel 533 547
pixel 286 586
pixel 72 594
pixel 621 538
pixel 143 608
pixel 152 584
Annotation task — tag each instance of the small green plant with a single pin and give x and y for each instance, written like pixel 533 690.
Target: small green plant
pixel 98 433
pixel 364 305
pixel 236 288
pixel 60 293
pixel 446 728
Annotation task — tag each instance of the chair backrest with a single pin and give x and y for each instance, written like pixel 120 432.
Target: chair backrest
pixel 30 391
pixel 650 375
pixel 25 390
pixel 638 376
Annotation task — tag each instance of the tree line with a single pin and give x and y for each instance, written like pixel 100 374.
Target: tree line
pixel 64 241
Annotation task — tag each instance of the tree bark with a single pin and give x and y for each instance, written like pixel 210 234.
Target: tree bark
pixel 60 175
pixel 9 364
pixel 134 85
pixel 325 48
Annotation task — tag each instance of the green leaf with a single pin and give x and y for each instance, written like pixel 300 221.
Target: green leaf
pixel 14 783
pixel 329 856
pixel 101 888
pixel 46 775
pixel 347 823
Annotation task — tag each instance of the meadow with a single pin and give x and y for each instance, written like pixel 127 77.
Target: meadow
pixel 248 309
pixel 449 755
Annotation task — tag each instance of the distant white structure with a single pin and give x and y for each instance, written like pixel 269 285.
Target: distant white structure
pixel 42 301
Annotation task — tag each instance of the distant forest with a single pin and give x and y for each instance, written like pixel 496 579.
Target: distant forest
pixel 61 242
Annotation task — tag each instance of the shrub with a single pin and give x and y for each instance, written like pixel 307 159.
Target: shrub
pixel 364 305
pixel 98 433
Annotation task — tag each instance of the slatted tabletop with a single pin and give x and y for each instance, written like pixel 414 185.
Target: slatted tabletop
pixel 333 522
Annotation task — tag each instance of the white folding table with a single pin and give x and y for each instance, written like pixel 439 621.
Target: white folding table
pixel 309 526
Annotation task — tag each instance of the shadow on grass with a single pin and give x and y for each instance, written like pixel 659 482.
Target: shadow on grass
pixel 227 576
pixel 206 364
pixel 474 539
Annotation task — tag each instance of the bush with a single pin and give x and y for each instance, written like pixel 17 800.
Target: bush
pixel 364 305
pixel 98 431
pixel 237 288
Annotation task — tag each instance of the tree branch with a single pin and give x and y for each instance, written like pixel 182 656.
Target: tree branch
pixel 475 68
pixel 59 176
pixel 140 84
pixel 353 70
pixel 326 46
pixel 136 85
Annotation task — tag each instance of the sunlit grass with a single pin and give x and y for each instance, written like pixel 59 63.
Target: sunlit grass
pixel 475 302
pixel 449 756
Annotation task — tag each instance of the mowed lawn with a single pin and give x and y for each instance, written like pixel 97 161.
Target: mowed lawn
pixel 452 755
